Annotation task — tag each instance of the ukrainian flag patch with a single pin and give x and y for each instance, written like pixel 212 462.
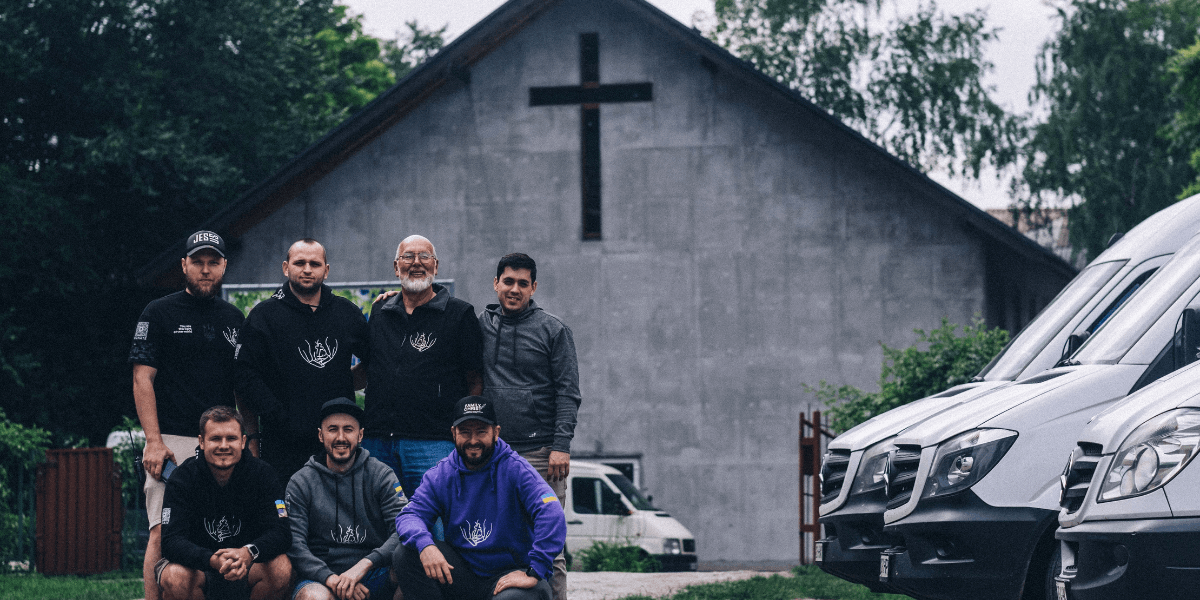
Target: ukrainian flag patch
pixel 281 508
pixel 400 492
pixel 549 498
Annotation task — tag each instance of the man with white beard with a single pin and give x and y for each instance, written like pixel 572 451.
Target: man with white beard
pixel 426 352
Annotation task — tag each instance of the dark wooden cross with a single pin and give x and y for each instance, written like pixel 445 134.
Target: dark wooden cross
pixel 589 94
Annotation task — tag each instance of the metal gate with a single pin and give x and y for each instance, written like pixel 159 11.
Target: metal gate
pixel 814 438
pixel 79 512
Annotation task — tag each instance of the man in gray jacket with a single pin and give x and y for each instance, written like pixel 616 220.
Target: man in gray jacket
pixel 343 504
pixel 532 377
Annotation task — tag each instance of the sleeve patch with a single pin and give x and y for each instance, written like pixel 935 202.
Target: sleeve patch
pixel 143 330
pixel 549 498
pixel 281 508
pixel 166 516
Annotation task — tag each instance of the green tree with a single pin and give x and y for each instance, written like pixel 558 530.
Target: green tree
pixel 1104 87
pixel 123 126
pixel 1184 130
pixel 940 359
pixel 412 47
pixel 914 86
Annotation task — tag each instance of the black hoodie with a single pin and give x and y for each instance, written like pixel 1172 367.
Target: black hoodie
pixel 200 516
pixel 291 359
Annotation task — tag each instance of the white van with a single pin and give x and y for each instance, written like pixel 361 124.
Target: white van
pixel 602 505
pixel 1130 520
pixel 852 472
pixel 974 492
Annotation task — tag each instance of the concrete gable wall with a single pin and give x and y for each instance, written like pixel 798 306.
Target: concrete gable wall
pixel 748 248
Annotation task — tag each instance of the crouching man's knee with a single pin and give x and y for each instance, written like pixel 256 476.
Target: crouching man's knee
pixel 179 582
pixel 270 580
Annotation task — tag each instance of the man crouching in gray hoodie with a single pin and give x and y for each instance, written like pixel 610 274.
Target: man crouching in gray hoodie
pixel 343 504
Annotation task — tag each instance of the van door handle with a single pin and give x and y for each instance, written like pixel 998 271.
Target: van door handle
pixel 574 522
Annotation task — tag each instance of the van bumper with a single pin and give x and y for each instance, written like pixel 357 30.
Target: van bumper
pixel 961 547
pixel 677 562
pixel 1157 558
pixel 854 538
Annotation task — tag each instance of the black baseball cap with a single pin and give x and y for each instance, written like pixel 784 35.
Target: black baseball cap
pixel 474 407
pixel 342 405
pixel 202 240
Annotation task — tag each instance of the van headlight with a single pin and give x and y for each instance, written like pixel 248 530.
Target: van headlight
pixel 672 546
pixel 872 470
pixel 963 460
pixel 1152 454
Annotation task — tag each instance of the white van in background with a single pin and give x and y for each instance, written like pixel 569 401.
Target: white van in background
pixel 602 505
pixel 974 493
pixel 1130 519
pixel 853 499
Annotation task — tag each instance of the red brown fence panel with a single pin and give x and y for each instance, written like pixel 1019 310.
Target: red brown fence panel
pixel 79 512
pixel 814 438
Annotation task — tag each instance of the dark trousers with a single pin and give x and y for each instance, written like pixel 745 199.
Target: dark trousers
pixel 467 585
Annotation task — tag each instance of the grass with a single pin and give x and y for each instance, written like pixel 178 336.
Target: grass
pixel 805 582
pixel 119 585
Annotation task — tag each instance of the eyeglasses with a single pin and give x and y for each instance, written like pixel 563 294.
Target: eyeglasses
pixel 408 257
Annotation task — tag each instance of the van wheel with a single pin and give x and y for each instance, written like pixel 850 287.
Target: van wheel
pixel 1044 566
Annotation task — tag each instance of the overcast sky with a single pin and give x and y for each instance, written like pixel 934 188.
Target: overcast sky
pixel 1024 25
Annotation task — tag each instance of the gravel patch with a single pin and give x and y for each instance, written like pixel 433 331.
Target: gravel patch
pixel 610 586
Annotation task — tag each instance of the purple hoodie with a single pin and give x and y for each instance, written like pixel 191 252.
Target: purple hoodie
pixel 488 514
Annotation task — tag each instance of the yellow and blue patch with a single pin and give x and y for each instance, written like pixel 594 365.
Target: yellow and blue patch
pixel 400 492
pixel 549 498
pixel 281 508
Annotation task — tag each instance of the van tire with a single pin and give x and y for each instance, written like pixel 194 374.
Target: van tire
pixel 1044 566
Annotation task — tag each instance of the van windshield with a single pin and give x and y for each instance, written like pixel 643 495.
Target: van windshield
pixel 626 486
pixel 1110 343
pixel 1029 343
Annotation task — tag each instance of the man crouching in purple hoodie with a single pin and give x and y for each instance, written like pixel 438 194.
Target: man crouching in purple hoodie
pixel 504 525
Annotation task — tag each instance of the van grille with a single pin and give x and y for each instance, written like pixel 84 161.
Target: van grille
pixel 902 474
pixel 833 473
pixel 1078 475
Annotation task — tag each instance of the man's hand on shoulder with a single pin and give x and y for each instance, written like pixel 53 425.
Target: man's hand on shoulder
pixel 436 567
pixel 384 296
pixel 560 466
pixel 515 579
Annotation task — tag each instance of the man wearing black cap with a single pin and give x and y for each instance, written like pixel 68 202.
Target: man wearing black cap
pixel 504 525
pixel 182 356
pixel 343 506
pixel 295 353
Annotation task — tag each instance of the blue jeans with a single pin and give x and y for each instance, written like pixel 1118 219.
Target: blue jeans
pixel 410 459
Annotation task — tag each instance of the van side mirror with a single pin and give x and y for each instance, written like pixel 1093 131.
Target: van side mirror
pixel 1186 343
pixel 1074 341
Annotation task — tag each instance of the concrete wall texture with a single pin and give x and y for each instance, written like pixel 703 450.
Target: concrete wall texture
pixel 748 249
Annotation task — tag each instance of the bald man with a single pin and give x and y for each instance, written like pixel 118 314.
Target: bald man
pixel 295 354
pixel 426 353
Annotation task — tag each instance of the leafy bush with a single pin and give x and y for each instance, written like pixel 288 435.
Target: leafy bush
pixel 603 556
pixel 939 360
pixel 21 450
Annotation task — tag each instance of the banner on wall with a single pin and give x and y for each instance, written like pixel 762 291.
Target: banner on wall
pixel 246 295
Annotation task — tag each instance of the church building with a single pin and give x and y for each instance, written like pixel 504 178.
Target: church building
pixel 713 239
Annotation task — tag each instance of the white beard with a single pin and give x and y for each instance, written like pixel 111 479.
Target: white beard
pixel 416 286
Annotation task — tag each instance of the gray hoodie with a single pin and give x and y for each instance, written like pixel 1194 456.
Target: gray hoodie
pixel 531 374
pixel 340 518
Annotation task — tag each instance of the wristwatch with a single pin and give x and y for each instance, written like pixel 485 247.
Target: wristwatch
pixel 534 574
pixel 253 551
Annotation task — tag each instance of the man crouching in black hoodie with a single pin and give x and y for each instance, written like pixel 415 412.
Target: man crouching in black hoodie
pixel 225 526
